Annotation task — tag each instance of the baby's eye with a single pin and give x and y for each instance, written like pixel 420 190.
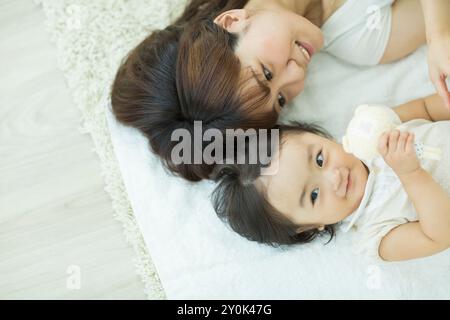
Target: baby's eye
pixel 281 100
pixel 314 195
pixel 319 159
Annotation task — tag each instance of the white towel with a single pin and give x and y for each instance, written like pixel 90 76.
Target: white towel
pixel 198 257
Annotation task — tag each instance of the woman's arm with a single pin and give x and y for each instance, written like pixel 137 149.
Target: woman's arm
pixel 430 108
pixel 431 202
pixel 437 23
pixel 437 17
pixel 416 22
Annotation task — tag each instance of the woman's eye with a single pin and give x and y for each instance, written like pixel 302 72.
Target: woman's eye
pixel 319 159
pixel 281 100
pixel 267 74
pixel 314 195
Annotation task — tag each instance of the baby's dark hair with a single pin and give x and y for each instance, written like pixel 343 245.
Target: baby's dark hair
pixel 239 202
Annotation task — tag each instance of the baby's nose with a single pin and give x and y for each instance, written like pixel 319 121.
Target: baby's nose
pixel 333 178
pixel 336 178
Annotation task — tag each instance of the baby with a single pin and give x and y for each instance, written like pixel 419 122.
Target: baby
pixel 397 205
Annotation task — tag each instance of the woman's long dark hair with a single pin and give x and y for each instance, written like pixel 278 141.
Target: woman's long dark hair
pixel 184 73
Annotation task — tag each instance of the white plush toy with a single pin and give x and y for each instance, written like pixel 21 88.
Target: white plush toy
pixel 366 127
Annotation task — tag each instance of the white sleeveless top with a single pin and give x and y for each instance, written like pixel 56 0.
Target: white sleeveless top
pixel 385 204
pixel 358 32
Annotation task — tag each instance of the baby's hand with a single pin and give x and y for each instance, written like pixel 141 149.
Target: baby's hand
pixel 397 149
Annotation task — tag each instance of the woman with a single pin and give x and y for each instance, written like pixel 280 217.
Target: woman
pixel 236 63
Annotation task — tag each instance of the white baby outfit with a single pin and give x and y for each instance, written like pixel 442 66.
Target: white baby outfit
pixel 385 204
pixel 358 32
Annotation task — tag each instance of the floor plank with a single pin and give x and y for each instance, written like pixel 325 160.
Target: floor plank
pixel 54 212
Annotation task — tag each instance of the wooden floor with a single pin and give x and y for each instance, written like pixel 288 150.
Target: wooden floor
pixel 58 239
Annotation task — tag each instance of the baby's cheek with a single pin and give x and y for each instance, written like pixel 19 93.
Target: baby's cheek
pixel 336 210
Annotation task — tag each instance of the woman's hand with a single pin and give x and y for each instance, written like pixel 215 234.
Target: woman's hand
pixel 439 65
pixel 397 149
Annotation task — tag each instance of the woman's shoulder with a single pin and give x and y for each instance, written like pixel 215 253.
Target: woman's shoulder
pixel 330 7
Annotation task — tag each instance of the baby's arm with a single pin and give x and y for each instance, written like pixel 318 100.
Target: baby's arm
pixel 430 108
pixel 432 233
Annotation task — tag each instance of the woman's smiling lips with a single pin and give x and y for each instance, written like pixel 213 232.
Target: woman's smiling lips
pixel 309 48
pixel 304 52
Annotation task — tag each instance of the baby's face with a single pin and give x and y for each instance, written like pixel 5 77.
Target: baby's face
pixel 317 182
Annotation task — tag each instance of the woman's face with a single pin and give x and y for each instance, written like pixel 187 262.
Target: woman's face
pixel 317 182
pixel 277 44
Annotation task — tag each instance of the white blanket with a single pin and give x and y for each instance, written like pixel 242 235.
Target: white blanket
pixel 197 256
